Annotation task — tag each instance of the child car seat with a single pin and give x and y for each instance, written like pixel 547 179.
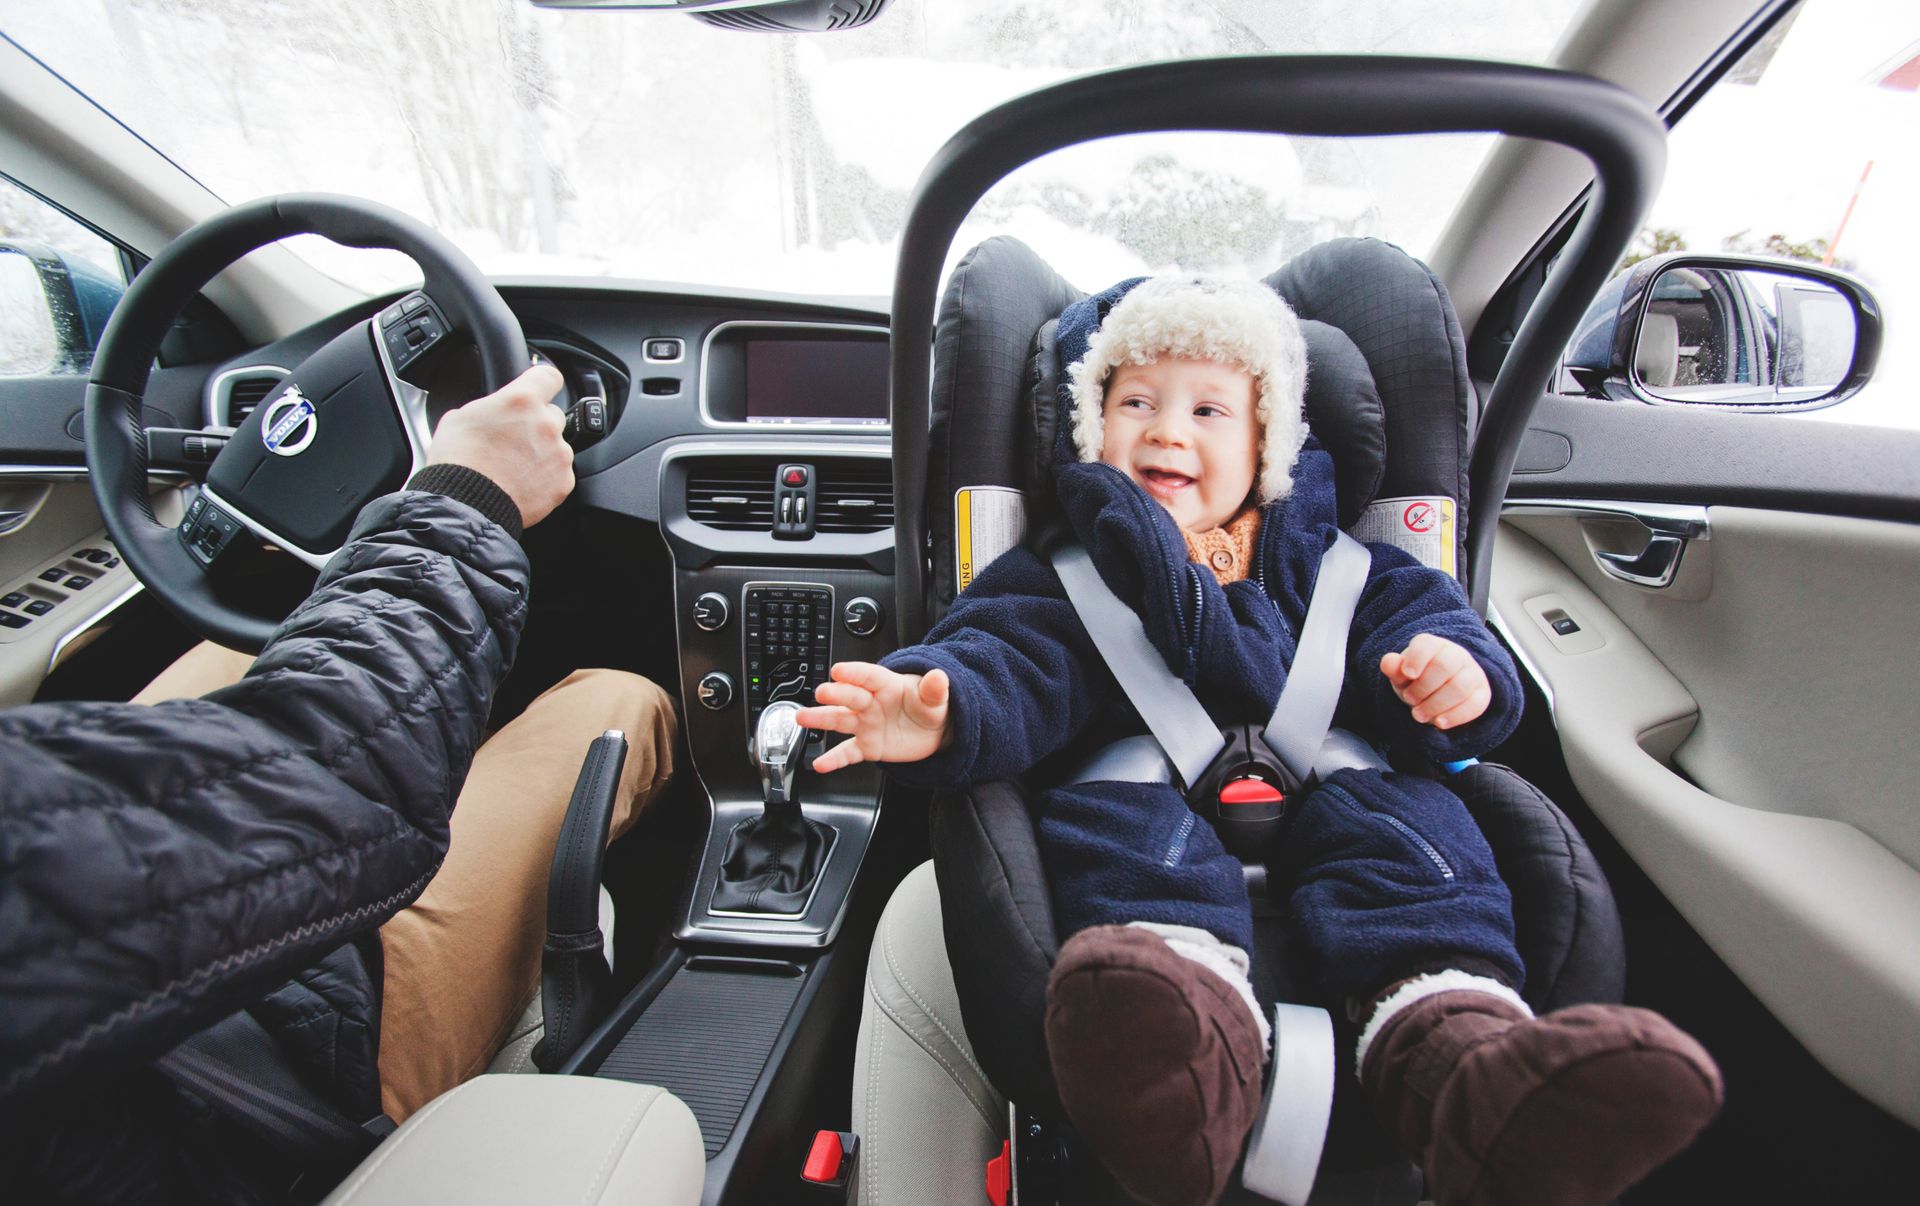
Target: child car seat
pixel 1388 395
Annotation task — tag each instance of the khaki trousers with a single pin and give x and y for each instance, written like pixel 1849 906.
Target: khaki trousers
pixel 463 961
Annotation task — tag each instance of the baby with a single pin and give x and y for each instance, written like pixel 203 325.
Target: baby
pixel 1191 479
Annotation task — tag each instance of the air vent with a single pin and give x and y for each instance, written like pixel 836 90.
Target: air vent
pixel 855 495
pixel 237 393
pixel 734 494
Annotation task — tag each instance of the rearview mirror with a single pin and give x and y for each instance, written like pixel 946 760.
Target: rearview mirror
pixel 770 16
pixel 1726 330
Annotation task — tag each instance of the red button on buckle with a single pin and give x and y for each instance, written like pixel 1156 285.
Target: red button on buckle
pixel 1250 791
pixel 1000 1175
pixel 823 1162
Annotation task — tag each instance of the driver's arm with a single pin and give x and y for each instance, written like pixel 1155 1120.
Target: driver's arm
pixel 159 867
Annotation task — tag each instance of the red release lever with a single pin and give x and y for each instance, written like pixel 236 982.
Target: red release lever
pixel 1250 791
pixel 823 1161
pixel 1000 1175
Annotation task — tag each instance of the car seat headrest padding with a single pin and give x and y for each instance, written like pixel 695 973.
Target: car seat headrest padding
pixel 998 296
pixel 1399 316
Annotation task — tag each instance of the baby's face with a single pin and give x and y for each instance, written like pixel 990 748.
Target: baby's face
pixel 1189 432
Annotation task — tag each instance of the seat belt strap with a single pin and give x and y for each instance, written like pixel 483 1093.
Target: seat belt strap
pixel 1300 731
pixel 1174 716
pixel 1301 718
pixel 236 1067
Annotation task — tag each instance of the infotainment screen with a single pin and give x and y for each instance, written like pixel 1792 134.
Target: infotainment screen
pixel 817 381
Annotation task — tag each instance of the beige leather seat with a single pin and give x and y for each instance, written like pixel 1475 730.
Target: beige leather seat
pixel 928 1120
pixel 500 1140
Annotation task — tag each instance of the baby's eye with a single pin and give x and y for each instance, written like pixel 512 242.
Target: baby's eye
pixel 1136 402
pixel 1208 410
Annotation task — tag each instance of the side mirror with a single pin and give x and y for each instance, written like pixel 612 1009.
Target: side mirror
pixel 55 309
pixel 775 16
pixel 1726 330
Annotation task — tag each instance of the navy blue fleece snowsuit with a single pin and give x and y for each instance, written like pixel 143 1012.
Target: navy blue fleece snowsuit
pixel 1388 875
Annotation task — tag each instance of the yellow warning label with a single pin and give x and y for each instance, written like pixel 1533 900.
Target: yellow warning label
pixel 987 521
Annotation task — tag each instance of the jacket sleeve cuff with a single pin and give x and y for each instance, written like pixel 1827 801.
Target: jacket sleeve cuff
pixel 954 764
pixel 473 488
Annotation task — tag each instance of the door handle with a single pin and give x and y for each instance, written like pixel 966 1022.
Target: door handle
pixel 9 520
pixel 1653 566
pixel 1669 529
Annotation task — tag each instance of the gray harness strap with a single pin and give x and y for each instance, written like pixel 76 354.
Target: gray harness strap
pixel 1187 738
pixel 1187 735
pixel 1304 712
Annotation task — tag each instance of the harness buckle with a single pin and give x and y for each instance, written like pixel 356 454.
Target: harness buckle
pixel 1245 792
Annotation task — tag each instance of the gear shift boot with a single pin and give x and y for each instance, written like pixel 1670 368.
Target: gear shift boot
pixel 771 862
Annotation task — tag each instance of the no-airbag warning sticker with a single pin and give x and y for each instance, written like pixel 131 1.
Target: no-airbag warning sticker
pixel 1422 527
pixel 987 521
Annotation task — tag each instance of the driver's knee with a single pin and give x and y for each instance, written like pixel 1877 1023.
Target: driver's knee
pixel 585 704
pixel 203 668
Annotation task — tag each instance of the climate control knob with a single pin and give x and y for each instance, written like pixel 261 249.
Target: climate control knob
pixel 861 616
pixel 716 692
pixel 710 612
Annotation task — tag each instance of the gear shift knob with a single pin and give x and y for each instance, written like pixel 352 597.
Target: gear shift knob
pixel 777 743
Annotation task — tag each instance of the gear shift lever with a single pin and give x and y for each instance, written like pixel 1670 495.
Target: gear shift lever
pixel 777 744
pixel 771 861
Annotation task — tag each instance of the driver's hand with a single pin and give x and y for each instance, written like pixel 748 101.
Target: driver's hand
pixel 513 437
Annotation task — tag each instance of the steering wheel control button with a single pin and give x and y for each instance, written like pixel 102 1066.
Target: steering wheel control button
pixel 664 351
pixel 417 330
pixel 209 531
pixel 861 616
pixel 793 487
pixel 710 612
pixel 715 691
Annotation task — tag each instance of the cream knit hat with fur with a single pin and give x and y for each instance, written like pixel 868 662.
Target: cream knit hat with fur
pixel 1241 323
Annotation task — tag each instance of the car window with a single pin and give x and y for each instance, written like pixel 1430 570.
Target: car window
pixel 652 146
pixel 1806 150
pixel 58 283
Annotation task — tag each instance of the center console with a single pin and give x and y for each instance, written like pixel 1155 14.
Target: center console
pixel 779 518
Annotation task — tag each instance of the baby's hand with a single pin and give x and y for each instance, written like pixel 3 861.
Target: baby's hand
pixel 1439 680
pixel 893 717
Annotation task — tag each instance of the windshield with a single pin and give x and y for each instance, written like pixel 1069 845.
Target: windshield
pixel 654 146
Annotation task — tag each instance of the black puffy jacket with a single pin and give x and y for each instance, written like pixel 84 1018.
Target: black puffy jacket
pixel 162 867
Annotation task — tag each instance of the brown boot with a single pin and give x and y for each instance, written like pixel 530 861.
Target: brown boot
pixel 1567 1109
pixel 1158 1063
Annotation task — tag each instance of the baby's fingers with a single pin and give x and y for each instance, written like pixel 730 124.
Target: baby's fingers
pixel 844 695
pixel 866 675
pixel 1469 709
pixel 847 753
pixel 831 720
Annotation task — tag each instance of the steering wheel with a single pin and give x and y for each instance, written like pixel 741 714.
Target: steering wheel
pixel 337 432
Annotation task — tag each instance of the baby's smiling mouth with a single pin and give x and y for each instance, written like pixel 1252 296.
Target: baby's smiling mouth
pixel 1164 483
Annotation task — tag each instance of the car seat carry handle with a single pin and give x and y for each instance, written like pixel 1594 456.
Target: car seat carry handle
pixel 1304 713
pixel 1174 716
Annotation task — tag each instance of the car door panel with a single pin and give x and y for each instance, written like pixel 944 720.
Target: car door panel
pixel 64 520
pixel 1595 448
pixel 1746 732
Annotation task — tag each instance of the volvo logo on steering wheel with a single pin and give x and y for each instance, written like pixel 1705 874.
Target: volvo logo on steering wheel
pixel 286 415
